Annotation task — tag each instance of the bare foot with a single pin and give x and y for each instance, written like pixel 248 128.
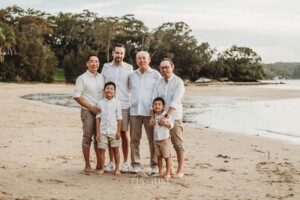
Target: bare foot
pixel 172 172
pixel 178 175
pixel 159 174
pixel 117 172
pixel 98 167
pixel 101 171
pixel 167 176
pixel 89 170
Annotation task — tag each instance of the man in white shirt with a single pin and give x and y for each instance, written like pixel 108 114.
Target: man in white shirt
pixel 171 88
pixel 88 91
pixel 118 72
pixel 141 84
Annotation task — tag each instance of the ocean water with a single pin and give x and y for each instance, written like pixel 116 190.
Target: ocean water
pixel 278 119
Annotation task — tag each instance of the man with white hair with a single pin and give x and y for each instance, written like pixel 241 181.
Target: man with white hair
pixel 141 83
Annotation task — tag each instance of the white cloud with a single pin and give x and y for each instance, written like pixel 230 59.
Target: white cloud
pixel 270 26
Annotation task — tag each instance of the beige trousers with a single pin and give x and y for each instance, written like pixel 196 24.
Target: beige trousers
pixel 136 123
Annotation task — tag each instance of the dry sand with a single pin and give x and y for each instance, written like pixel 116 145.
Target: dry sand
pixel 41 158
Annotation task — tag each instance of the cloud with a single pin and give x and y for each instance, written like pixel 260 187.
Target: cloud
pixel 267 26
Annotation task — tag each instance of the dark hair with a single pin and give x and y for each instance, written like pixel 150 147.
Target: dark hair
pixel 89 56
pixel 118 45
pixel 168 59
pixel 159 99
pixel 110 83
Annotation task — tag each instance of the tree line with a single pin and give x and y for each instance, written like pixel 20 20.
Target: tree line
pixel 282 70
pixel 34 43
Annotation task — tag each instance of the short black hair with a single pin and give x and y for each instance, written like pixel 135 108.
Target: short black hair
pixel 89 56
pixel 119 45
pixel 110 83
pixel 159 99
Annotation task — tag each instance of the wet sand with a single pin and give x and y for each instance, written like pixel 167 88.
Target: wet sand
pixel 41 158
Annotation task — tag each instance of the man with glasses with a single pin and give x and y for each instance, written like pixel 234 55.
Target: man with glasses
pixel 171 88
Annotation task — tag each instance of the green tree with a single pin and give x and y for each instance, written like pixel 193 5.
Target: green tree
pixel 134 35
pixel 173 40
pixel 244 64
pixel 74 63
pixel 7 41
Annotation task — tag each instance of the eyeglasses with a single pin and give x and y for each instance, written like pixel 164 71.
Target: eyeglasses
pixel 164 67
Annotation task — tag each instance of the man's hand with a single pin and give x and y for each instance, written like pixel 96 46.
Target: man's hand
pixel 152 122
pixel 94 110
pixel 118 135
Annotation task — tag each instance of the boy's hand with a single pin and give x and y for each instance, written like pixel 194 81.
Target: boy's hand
pixel 98 136
pixel 162 121
pixel 118 135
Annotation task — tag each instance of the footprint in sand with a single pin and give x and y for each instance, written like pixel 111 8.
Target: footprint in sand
pixel 202 165
pixel 277 172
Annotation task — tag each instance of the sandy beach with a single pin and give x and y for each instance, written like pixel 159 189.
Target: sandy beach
pixel 41 158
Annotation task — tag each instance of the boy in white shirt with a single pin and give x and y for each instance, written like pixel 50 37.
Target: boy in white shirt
pixel 108 125
pixel 162 137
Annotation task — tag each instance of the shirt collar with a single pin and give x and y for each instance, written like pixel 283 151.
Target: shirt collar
pixel 149 70
pixel 90 74
pixel 171 77
pixel 106 99
pixel 113 64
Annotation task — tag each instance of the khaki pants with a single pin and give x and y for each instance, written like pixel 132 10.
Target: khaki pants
pixel 136 123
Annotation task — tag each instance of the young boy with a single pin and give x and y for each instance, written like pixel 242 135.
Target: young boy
pixel 108 125
pixel 162 137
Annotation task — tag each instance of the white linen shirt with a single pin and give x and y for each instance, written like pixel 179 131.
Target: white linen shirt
pixel 172 92
pixel 161 132
pixel 120 76
pixel 141 86
pixel 111 112
pixel 89 87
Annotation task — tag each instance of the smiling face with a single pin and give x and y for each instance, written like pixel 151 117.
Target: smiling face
pixel 93 64
pixel 109 91
pixel 166 69
pixel 118 55
pixel 143 60
pixel 158 107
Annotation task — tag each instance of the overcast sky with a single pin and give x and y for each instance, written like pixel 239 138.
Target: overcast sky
pixel 269 27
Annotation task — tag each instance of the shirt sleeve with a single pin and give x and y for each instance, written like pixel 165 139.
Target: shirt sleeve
pixel 98 105
pixel 79 87
pixel 104 72
pixel 178 95
pixel 155 92
pixel 171 121
pixel 119 111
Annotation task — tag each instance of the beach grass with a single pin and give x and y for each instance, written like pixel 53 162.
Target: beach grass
pixel 59 75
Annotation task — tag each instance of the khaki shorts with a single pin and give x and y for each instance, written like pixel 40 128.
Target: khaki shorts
pixel 125 120
pixel 88 126
pixel 162 148
pixel 176 136
pixel 104 139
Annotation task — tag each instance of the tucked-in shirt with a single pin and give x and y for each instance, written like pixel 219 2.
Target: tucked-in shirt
pixel 89 87
pixel 172 92
pixel 111 112
pixel 162 132
pixel 120 76
pixel 141 86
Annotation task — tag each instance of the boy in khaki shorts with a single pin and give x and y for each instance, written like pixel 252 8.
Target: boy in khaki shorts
pixel 108 125
pixel 162 137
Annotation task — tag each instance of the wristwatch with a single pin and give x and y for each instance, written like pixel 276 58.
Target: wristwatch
pixel 166 115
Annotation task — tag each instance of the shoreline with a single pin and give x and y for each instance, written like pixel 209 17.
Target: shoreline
pixel 41 156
